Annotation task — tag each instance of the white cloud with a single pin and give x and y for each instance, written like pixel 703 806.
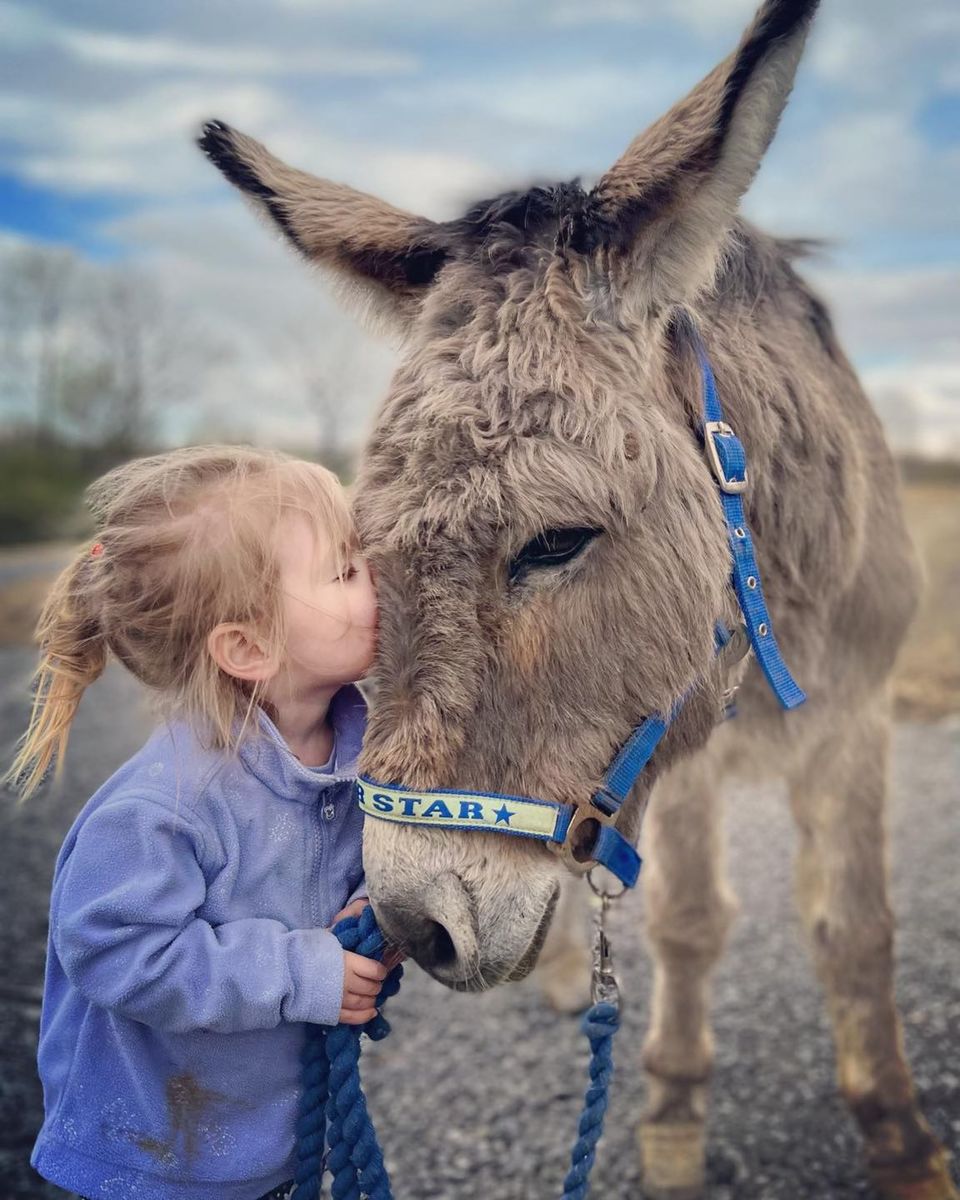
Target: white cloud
pixel 127 51
pixel 919 403
pixel 144 147
pixel 868 171
pixel 573 102
pixel 883 47
pixel 911 310
pixel 139 51
pixel 901 327
pixel 698 15
pixel 21 25
pixel 141 146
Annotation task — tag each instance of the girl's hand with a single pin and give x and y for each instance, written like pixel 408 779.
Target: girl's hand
pixel 392 957
pixel 362 980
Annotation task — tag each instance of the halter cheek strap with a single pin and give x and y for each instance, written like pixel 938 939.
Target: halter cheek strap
pixel 728 461
pixel 586 835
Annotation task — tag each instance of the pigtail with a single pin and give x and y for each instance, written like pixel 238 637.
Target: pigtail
pixel 73 654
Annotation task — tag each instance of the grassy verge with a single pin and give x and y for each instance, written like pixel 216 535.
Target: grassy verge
pixel 927 682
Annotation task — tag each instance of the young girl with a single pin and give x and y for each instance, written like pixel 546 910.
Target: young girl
pixel 192 899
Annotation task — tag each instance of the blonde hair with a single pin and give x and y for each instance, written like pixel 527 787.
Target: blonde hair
pixel 185 540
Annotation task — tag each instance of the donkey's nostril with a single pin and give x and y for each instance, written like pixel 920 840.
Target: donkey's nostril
pixel 443 953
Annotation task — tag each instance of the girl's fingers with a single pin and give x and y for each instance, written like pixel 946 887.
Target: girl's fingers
pixel 356 1000
pixel 369 968
pixel 349 1016
pixel 362 987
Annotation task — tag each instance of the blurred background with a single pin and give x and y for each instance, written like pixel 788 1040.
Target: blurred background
pixel 143 306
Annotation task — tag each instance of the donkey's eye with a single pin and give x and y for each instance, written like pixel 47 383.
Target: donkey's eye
pixel 551 548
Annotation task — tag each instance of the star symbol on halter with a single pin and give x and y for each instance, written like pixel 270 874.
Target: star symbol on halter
pixel 503 814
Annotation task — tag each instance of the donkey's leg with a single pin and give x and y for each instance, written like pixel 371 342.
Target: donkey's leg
pixel 839 803
pixel 689 910
pixel 563 969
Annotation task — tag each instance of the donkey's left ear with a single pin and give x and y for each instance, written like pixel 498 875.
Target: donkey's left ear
pixel 384 258
pixel 662 211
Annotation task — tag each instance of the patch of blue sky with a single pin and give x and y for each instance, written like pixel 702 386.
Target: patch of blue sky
pixel 50 216
pixel 885 250
pixel 939 119
pixel 891 251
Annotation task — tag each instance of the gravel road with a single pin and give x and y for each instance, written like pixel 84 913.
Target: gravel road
pixel 478 1096
pixel 31 562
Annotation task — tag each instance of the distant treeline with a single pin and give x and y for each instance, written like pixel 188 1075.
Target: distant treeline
pixel 42 481
pixel 914 469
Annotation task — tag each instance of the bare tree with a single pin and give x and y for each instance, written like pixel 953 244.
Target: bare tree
pixel 319 369
pixel 157 358
pixel 34 298
pixel 94 353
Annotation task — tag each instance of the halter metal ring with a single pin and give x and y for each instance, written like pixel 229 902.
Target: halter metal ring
pixel 583 813
pixel 600 891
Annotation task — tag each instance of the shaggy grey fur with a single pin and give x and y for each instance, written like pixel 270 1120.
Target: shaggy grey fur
pixel 548 382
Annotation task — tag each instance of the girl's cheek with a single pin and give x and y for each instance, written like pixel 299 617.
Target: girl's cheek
pixel 370 601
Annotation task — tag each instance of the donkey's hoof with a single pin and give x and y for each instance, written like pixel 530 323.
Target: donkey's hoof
pixel 673 1157
pixel 564 979
pixel 927 1181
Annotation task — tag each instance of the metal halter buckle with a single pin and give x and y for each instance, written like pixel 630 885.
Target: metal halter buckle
pixel 712 429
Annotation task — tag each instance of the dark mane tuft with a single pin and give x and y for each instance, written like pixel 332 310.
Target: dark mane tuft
pixel 503 227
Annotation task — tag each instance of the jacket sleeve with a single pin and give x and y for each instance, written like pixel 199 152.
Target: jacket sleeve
pixel 124 927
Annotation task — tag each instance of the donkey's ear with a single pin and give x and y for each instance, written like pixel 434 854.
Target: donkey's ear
pixel 662 211
pixel 386 258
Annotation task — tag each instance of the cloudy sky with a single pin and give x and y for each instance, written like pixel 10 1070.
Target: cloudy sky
pixel 432 104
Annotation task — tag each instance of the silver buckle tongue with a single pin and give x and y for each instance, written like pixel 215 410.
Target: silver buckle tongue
pixel 604 986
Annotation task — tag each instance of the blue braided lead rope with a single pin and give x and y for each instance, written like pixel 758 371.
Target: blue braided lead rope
pixel 312 1120
pixel 599 1023
pixel 333 1111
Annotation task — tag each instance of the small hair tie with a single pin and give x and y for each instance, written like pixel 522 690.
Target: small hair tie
pixel 96 549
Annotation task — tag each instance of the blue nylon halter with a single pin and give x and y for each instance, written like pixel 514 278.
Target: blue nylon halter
pixel 728 462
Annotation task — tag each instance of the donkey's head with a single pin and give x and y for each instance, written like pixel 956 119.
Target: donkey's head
pixel 550 551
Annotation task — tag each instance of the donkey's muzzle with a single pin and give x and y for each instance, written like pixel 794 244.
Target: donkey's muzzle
pixel 440 934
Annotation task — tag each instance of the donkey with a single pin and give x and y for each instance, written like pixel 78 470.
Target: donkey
pixel 552 560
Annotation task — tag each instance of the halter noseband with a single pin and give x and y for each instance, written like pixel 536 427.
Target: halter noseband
pixel 586 835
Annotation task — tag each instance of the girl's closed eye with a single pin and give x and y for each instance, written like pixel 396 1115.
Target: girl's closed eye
pixel 348 572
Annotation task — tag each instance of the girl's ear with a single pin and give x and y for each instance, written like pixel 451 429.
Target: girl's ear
pixel 240 654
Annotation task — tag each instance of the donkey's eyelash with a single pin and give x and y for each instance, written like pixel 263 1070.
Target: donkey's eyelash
pixel 552 548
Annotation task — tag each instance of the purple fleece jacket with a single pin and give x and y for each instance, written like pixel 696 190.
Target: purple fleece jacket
pixel 187 948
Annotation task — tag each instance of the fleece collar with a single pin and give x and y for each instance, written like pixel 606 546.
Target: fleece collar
pixel 267 756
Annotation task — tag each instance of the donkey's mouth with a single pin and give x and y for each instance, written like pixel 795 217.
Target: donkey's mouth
pixel 482 979
pixel 529 958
